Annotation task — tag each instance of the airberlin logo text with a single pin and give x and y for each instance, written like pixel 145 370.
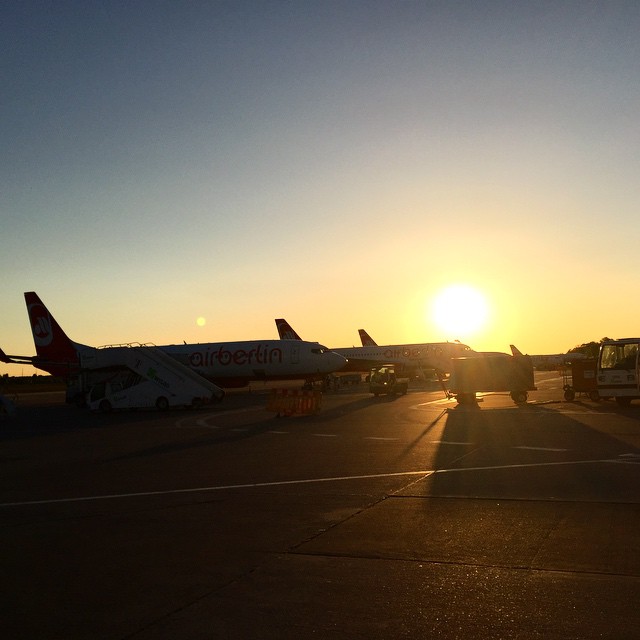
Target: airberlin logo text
pixel 413 352
pixel 262 354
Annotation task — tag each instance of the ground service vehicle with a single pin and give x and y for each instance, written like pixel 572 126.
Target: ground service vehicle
pixel 579 376
pixel 142 376
pixel 383 380
pixel 617 373
pixel 491 372
pixel 143 394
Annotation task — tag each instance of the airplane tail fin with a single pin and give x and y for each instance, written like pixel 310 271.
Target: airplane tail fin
pixel 53 346
pixel 515 351
pixel 285 330
pixel 366 339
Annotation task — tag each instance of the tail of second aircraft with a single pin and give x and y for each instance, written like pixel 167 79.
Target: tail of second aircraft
pixel 514 350
pixel 285 330
pixel 56 353
pixel 366 339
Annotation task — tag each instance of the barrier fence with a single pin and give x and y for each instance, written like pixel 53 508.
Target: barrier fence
pixel 289 402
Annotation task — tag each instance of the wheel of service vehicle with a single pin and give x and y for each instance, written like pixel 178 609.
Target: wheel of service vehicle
pixel 162 404
pixel 519 397
pixel 104 406
pixel 569 395
pixel 594 395
pixel 623 401
pixel 80 401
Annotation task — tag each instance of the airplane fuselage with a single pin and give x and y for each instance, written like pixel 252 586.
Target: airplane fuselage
pixel 223 363
pixel 238 363
pixel 435 355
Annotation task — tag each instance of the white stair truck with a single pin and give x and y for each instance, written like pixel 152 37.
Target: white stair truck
pixel 142 376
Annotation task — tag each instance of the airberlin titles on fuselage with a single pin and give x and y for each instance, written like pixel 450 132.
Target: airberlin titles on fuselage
pixel 261 354
pixel 411 352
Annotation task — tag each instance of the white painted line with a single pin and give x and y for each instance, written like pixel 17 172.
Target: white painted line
pixel 280 432
pixel 256 485
pixel 202 422
pixel 450 442
pixel 325 435
pixel 539 449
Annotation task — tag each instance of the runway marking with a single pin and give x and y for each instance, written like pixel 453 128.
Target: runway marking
pixel 188 422
pixel 539 448
pixel 325 435
pixel 282 483
pixel 253 485
pixel 450 442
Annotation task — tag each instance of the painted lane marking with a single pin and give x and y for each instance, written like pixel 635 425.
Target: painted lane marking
pixel 202 422
pixel 253 485
pixel 256 485
pixel 324 435
pixel 539 448
pixel 450 442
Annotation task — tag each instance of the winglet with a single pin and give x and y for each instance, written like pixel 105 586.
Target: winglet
pixel 285 330
pixel 515 351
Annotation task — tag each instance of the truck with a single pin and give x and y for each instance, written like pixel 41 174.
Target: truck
pixel 491 372
pixel 383 380
pixel 617 371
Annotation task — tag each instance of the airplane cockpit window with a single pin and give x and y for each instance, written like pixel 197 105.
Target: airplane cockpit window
pixel 319 350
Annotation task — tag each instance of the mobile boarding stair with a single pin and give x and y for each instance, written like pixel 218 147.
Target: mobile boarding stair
pixel 138 376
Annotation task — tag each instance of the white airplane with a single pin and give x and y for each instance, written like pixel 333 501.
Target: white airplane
pixel 411 357
pixel 226 364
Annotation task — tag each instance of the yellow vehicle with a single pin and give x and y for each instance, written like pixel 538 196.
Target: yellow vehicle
pixel 383 380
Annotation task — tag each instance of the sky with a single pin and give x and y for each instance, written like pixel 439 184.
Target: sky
pixel 189 171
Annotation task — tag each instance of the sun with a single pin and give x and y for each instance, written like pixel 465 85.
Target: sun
pixel 460 311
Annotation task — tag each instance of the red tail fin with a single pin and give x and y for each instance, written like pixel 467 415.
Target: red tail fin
pixel 366 339
pixel 285 330
pixel 53 347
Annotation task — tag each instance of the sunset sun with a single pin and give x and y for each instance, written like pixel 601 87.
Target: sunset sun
pixel 460 311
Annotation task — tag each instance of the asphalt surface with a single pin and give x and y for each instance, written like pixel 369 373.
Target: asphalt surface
pixel 408 517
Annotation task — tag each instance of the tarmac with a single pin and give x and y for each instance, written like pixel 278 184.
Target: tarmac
pixel 389 517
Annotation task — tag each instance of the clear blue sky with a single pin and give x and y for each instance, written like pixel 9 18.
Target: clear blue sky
pixel 334 163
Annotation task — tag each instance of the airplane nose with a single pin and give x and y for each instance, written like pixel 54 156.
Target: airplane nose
pixel 337 361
